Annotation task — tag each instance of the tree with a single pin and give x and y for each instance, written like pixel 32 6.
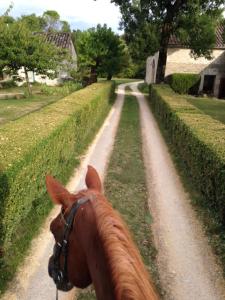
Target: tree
pixel 33 22
pixel 193 21
pixel 53 22
pixel 65 26
pixel 21 48
pixel 101 51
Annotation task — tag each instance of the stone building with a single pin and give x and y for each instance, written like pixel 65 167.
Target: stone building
pixel 179 60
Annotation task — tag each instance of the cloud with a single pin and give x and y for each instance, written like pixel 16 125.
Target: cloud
pixel 82 11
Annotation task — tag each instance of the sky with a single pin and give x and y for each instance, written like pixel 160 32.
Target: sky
pixel 81 14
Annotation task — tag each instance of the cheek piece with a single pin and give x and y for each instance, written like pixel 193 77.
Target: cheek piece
pixel 58 274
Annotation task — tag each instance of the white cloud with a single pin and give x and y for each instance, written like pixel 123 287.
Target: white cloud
pixel 87 11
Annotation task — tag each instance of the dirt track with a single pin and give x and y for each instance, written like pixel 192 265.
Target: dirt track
pixel 187 267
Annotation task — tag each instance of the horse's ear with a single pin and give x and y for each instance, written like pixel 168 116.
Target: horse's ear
pixel 93 180
pixel 57 192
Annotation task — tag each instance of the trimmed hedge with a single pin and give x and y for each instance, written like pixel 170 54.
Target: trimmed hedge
pixel 184 83
pixel 200 142
pixel 48 141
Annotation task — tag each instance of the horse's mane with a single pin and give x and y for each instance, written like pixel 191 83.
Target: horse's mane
pixel 129 275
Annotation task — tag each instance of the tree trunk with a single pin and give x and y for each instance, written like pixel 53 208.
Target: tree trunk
pixel 166 31
pixel 109 77
pixel 93 75
pixel 165 37
pixel 160 75
pixel 28 82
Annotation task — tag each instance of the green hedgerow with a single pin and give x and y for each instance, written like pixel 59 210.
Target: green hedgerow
pixel 184 83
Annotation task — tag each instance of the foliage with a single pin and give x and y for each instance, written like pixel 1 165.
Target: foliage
pixel 53 22
pixel 33 22
pixel 64 90
pixel 182 83
pixel 199 141
pixel 100 51
pixel 21 48
pixel 192 21
pixel 7 84
pixel 48 141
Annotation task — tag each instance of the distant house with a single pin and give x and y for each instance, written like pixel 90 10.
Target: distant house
pixel 179 60
pixel 61 40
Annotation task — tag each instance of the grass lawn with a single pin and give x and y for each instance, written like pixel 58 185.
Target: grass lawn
pixel 19 89
pixel 13 109
pixel 125 186
pixel 210 106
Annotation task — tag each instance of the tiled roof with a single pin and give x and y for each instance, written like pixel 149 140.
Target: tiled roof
pixel 60 39
pixel 174 41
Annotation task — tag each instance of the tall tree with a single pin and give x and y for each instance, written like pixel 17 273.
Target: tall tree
pixel 52 19
pixel 101 51
pixel 21 48
pixel 193 21
pixel 33 22
pixel 53 22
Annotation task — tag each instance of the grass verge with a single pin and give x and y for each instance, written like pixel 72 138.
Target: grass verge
pixel 213 228
pixel 125 186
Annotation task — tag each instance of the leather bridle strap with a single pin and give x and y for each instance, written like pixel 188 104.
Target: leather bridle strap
pixel 63 247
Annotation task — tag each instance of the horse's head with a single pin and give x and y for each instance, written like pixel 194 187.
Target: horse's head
pixel 68 266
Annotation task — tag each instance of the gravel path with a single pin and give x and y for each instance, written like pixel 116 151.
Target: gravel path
pixel 32 281
pixel 187 267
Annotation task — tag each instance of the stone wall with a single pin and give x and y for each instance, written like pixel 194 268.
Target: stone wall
pixel 151 68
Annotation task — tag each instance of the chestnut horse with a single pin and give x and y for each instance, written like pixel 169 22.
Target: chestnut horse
pixel 98 247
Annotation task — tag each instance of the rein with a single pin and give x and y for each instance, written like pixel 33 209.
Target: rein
pixel 60 276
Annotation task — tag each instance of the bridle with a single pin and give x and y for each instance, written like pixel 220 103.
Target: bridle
pixel 59 275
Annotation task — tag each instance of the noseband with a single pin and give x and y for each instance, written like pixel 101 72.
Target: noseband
pixel 59 275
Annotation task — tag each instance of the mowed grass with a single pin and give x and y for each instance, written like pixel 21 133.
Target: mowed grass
pixel 125 186
pixel 13 109
pixel 210 106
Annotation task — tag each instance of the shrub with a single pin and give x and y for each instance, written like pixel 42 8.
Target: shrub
pixel 48 141
pixel 64 90
pixel 7 84
pixel 184 83
pixel 199 141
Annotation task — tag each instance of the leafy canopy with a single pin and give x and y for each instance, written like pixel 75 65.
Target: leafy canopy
pixel 20 47
pixel 192 21
pixel 100 50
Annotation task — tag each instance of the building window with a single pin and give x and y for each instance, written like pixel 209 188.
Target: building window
pixel 208 84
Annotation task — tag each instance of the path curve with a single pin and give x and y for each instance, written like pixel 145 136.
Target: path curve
pixel 32 280
pixel 187 267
